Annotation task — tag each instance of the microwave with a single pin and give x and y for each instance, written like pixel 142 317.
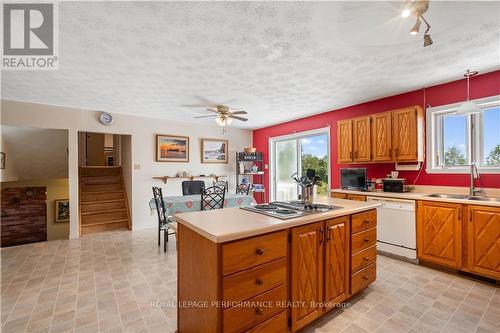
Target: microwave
pixel 397 185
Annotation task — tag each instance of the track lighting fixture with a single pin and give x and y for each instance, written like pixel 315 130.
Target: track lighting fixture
pixel 418 8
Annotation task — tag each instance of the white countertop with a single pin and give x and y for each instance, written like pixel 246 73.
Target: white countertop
pixel 224 225
pixel 422 196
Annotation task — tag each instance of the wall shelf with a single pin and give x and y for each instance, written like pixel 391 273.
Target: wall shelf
pixel 166 178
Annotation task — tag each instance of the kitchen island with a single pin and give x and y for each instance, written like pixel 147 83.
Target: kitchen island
pixel 239 271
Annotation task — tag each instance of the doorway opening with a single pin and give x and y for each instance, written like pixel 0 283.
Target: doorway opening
pixel 297 153
pixel 105 181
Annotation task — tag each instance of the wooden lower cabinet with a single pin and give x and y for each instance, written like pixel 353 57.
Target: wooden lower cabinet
pixel 321 267
pixel 309 266
pixel 356 197
pixel 306 273
pixel 337 261
pixel 338 195
pixel 439 233
pixel 483 240
pixel 463 237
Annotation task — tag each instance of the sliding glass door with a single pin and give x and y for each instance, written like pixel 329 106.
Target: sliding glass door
pixel 298 153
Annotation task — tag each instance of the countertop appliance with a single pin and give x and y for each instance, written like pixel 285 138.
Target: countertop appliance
pixel 290 209
pixel 397 185
pixel 396 227
pixel 353 178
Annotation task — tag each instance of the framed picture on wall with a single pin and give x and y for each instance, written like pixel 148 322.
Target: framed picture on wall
pixel 172 148
pixel 214 151
pixel 61 210
pixel 2 161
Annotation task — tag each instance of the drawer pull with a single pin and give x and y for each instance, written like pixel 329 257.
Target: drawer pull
pixel 366 258
pixel 366 221
pixel 365 277
pixel 259 311
pixel 259 251
pixel 366 240
pixel 259 282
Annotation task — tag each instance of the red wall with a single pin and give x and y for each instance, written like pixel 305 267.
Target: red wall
pixel 452 92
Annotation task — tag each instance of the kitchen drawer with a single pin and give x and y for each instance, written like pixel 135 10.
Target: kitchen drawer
pixel 243 254
pixel 356 197
pixel 277 324
pixel 363 240
pixel 364 258
pixel 363 221
pixel 251 282
pixel 363 278
pixel 250 314
pixel 339 195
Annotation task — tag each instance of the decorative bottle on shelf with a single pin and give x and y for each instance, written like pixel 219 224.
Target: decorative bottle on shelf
pixel 255 168
pixel 242 168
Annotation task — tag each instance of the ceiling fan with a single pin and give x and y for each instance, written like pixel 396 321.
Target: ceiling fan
pixel 224 115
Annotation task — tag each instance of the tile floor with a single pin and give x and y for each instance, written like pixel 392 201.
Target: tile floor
pixel 123 282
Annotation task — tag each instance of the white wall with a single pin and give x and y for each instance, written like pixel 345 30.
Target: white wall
pixel 143 131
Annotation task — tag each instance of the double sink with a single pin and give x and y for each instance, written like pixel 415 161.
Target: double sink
pixel 463 196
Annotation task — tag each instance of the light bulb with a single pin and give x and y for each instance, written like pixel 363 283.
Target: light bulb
pixel 416 27
pixel 406 12
pixel 229 121
pixel 219 121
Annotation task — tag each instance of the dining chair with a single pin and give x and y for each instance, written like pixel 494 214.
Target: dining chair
pixel 164 221
pixel 213 198
pixel 222 183
pixel 192 187
pixel 243 188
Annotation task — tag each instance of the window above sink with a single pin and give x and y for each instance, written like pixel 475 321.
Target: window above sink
pixel 455 141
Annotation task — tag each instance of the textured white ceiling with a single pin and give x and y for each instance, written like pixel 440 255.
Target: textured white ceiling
pixel 277 60
pixel 36 153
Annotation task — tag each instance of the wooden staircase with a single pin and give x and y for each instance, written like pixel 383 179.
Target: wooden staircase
pixel 103 200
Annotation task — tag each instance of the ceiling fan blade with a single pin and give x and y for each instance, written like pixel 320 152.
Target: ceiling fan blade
pixel 212 110
pixel 194 105
pixel 209 116
pixel 238 118
pixel 239 112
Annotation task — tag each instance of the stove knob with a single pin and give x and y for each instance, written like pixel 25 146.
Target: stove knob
pixel 315 207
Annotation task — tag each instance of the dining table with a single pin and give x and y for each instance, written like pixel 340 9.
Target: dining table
pixel 192 203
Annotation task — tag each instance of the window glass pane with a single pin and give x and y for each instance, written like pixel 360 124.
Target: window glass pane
pixel 286 164
pixel 315 156
pixel 455 140
pixel 491 137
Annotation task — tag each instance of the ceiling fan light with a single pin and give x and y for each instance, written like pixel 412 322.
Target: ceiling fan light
pixel 229 121
pixel 427 40
pixel 220 121
pixel 414 31
pixel 405 12
pixel 468 107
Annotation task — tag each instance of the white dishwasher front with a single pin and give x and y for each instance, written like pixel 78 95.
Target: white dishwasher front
pixel 396 227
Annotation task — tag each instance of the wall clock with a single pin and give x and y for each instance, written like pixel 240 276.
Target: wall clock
pixel 105 118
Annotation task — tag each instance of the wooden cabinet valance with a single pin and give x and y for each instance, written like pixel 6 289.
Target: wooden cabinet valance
pixel 393 136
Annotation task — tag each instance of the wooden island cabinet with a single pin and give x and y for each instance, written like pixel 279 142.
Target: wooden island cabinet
pixel 279 281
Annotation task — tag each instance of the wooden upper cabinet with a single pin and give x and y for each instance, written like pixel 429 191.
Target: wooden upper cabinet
pixel 407 134
pixel 483 241
pixel 344 141
pixel 337 260
pixel 306 273
pixel 439 233
pixel 382 137
pixel 361 139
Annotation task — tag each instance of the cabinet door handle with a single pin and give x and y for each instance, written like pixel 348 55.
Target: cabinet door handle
pixel 328 234
pixel 259 311
pixel 350 155
pixel 366 258
pixel 259 282
pixel 366 221
pixel 259 251
pixel 320 236
pixel 366 240
pixel 365 277
pixel 397 152
pixel 390 152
